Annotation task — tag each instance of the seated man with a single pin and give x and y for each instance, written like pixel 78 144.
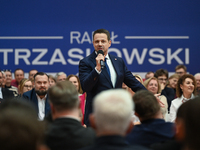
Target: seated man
pixel 66 131
pixel 153 128
pixel 112 119
pixel 19 75
pixel 38 95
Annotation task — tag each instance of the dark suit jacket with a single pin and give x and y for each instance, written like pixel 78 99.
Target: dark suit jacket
pixel 7 94
pixel 169 93
pixel 68 134
pixel 112 143
pixel 93 83
pixel 151 131
pixel 31 96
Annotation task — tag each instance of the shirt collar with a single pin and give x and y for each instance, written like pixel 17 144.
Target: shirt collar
pixel 192 96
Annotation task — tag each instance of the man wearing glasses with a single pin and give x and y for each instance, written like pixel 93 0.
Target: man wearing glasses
pixel 162 76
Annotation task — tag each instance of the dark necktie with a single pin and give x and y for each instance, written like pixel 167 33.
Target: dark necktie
pixel 107 68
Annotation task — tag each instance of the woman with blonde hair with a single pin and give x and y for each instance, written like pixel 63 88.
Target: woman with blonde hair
pixel 153 86
pixel 24 86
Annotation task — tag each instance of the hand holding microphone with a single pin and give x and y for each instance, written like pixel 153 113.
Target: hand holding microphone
pixel 100 60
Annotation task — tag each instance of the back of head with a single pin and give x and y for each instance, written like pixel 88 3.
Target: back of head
pixel 146 105
pixel 64 96
pixel 188 112
pixel 19 127
pixel 113 111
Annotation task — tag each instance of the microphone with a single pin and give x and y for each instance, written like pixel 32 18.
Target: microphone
pixel 101 61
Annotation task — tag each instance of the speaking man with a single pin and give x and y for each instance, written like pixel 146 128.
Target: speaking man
pixel 101 71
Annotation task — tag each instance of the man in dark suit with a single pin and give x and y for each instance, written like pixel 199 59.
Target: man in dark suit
pixel 66 131
pixel 4 92
pixel 112 120
pixel 94 79
pixel 38 95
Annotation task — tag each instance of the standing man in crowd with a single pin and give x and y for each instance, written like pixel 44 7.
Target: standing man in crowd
pixel 32 73
pixel 38 95
pixel 19 75
pixel 94 78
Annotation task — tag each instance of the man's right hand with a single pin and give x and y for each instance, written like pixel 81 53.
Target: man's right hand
pixel 98 58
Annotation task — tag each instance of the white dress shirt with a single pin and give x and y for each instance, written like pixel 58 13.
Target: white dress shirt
pixel 1 94
pixel 41 107
pixel 176 103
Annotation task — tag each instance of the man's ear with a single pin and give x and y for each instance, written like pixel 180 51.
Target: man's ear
pixel 180 129
pixel 130 127
pixel 92 121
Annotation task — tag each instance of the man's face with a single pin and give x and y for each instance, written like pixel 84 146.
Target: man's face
pixel 61 78
pixel 180 72
pixel 197 78
pixel 8 77
pixel 19 75
pixel 1 79
pixel 41 85
pixel 100 42
pixel 32 73
pixel 149 75
pixel 162 79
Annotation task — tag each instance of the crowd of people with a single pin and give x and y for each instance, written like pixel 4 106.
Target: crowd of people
pixel 105 107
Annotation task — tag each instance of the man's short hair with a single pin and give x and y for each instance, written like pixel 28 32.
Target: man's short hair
pixel 19 126
pixel 181 66
pixel 102 31
pixel 113 110
pixel 18 69
pixel 41 74
pixel 161 72
pixel 146 104
pixel 64 96
pixel 189 112
pixel 59 74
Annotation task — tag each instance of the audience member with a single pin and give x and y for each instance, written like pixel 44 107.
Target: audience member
pixel 112 120
pixel 19 127
pixel 52 80
pixel 60 76
pixel 4 92
pixel 32 73
pixel 149 75
pixel 172 82
pixel 8 82
pixel 24 86
pixel 19 74
pixel 66 131
pixel 162 76
pixel 197 78
pixel 153 128
pixel 187 124
pixel 38 95
pixel 153 86
pixel 181 70
pixel 185 90
pixel 76 82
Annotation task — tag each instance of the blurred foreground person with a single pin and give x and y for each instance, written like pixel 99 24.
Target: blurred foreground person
pixel 19 127
pixel 66 131
pixel 112 120
pixel 153 128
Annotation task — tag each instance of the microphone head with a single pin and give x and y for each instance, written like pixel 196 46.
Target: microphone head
pixel 100 52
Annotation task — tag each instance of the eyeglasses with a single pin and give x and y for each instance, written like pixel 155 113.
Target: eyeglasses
pixel 161 79
pixel 28 86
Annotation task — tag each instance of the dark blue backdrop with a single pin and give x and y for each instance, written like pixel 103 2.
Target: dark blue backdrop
pixel 53 36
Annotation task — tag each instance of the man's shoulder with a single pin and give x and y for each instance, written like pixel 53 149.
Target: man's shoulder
pixel 29 93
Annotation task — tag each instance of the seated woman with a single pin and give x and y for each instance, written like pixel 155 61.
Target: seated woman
pixel 74 79
pixel 24 86
pixel 185 90
pixel 172 82
pixel 52 80
pixel 153 86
